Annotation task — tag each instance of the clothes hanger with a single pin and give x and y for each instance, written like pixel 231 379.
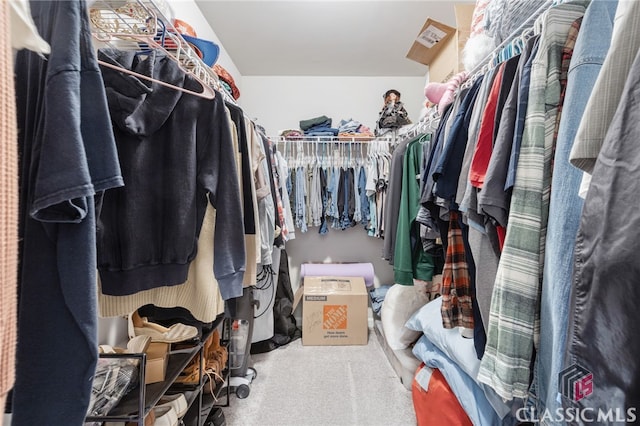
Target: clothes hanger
pixel 135 26
pixel 352 156
pixel 539 23
pixel 424 139
pixel 298 159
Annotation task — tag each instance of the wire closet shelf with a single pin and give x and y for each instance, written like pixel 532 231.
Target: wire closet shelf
pixel 142 25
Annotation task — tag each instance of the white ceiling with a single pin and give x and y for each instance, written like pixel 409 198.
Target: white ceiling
pixel 320 38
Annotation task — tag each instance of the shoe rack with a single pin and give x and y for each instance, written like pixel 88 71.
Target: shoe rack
pixel 136 405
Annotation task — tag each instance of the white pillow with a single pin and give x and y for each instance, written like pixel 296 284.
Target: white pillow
pixel 428 320
pixel 400 302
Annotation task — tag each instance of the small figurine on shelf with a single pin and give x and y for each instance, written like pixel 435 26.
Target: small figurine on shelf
pixel 393 115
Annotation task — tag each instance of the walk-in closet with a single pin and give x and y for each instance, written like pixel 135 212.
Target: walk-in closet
pixel 301 212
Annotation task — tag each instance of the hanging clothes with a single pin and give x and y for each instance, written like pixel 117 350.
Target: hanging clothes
pixel 247 189
pixel 338 186
pixel 603 303
pixel 68 159
pixel 506 363
pixel 457 281
pixel 283 175
pixel 608 88
pixel 382 185
pixel 324 182
pixel 494 199
pixel 410 261
pixel 10 214
pixel 565 207
pixel 262 189
pixel 266 208
pixel 137 253
pixel 24 34
pixel 362 191
pixel 300 203
pixel 199 294
pixel 457 309
pixel 282 230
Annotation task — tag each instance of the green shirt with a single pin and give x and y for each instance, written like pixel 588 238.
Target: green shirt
pixel 410 261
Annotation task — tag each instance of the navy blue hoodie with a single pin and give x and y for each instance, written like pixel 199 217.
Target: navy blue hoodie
pixel 176 153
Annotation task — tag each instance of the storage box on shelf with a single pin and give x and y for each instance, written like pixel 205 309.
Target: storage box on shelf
pixel 157 360
pixel 440 46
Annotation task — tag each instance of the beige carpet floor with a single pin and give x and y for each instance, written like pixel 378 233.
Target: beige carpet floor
pixel 323 385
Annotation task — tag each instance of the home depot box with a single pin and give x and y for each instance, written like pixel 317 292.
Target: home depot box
pixel 440 46
pixel 334 311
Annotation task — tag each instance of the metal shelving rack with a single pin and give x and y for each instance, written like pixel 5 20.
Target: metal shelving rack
pixel 135 405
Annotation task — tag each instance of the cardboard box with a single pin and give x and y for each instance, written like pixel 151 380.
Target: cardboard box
pixel 430 41
pixel 444 56
pixel 334 311
pixel 157 359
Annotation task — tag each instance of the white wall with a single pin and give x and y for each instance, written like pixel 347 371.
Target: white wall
pixel 280 102
pixel 188 11
pixel 351 245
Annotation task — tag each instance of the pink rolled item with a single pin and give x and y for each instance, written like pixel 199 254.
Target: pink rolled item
pixel 364 270
pixel 443 94
pixel 434 91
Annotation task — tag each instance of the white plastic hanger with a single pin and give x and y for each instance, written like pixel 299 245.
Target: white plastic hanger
pixel 136 23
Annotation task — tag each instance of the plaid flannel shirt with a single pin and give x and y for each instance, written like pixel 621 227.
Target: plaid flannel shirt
pixel 457 310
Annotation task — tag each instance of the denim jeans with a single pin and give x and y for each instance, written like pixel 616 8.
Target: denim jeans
pixel 324 226
pixel 364 201
pixel 357 216
pixel 565 207
pixel 301 191
pixel 333 211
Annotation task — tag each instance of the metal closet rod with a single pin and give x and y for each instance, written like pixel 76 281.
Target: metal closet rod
pixel 515 34
pixel 319 139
